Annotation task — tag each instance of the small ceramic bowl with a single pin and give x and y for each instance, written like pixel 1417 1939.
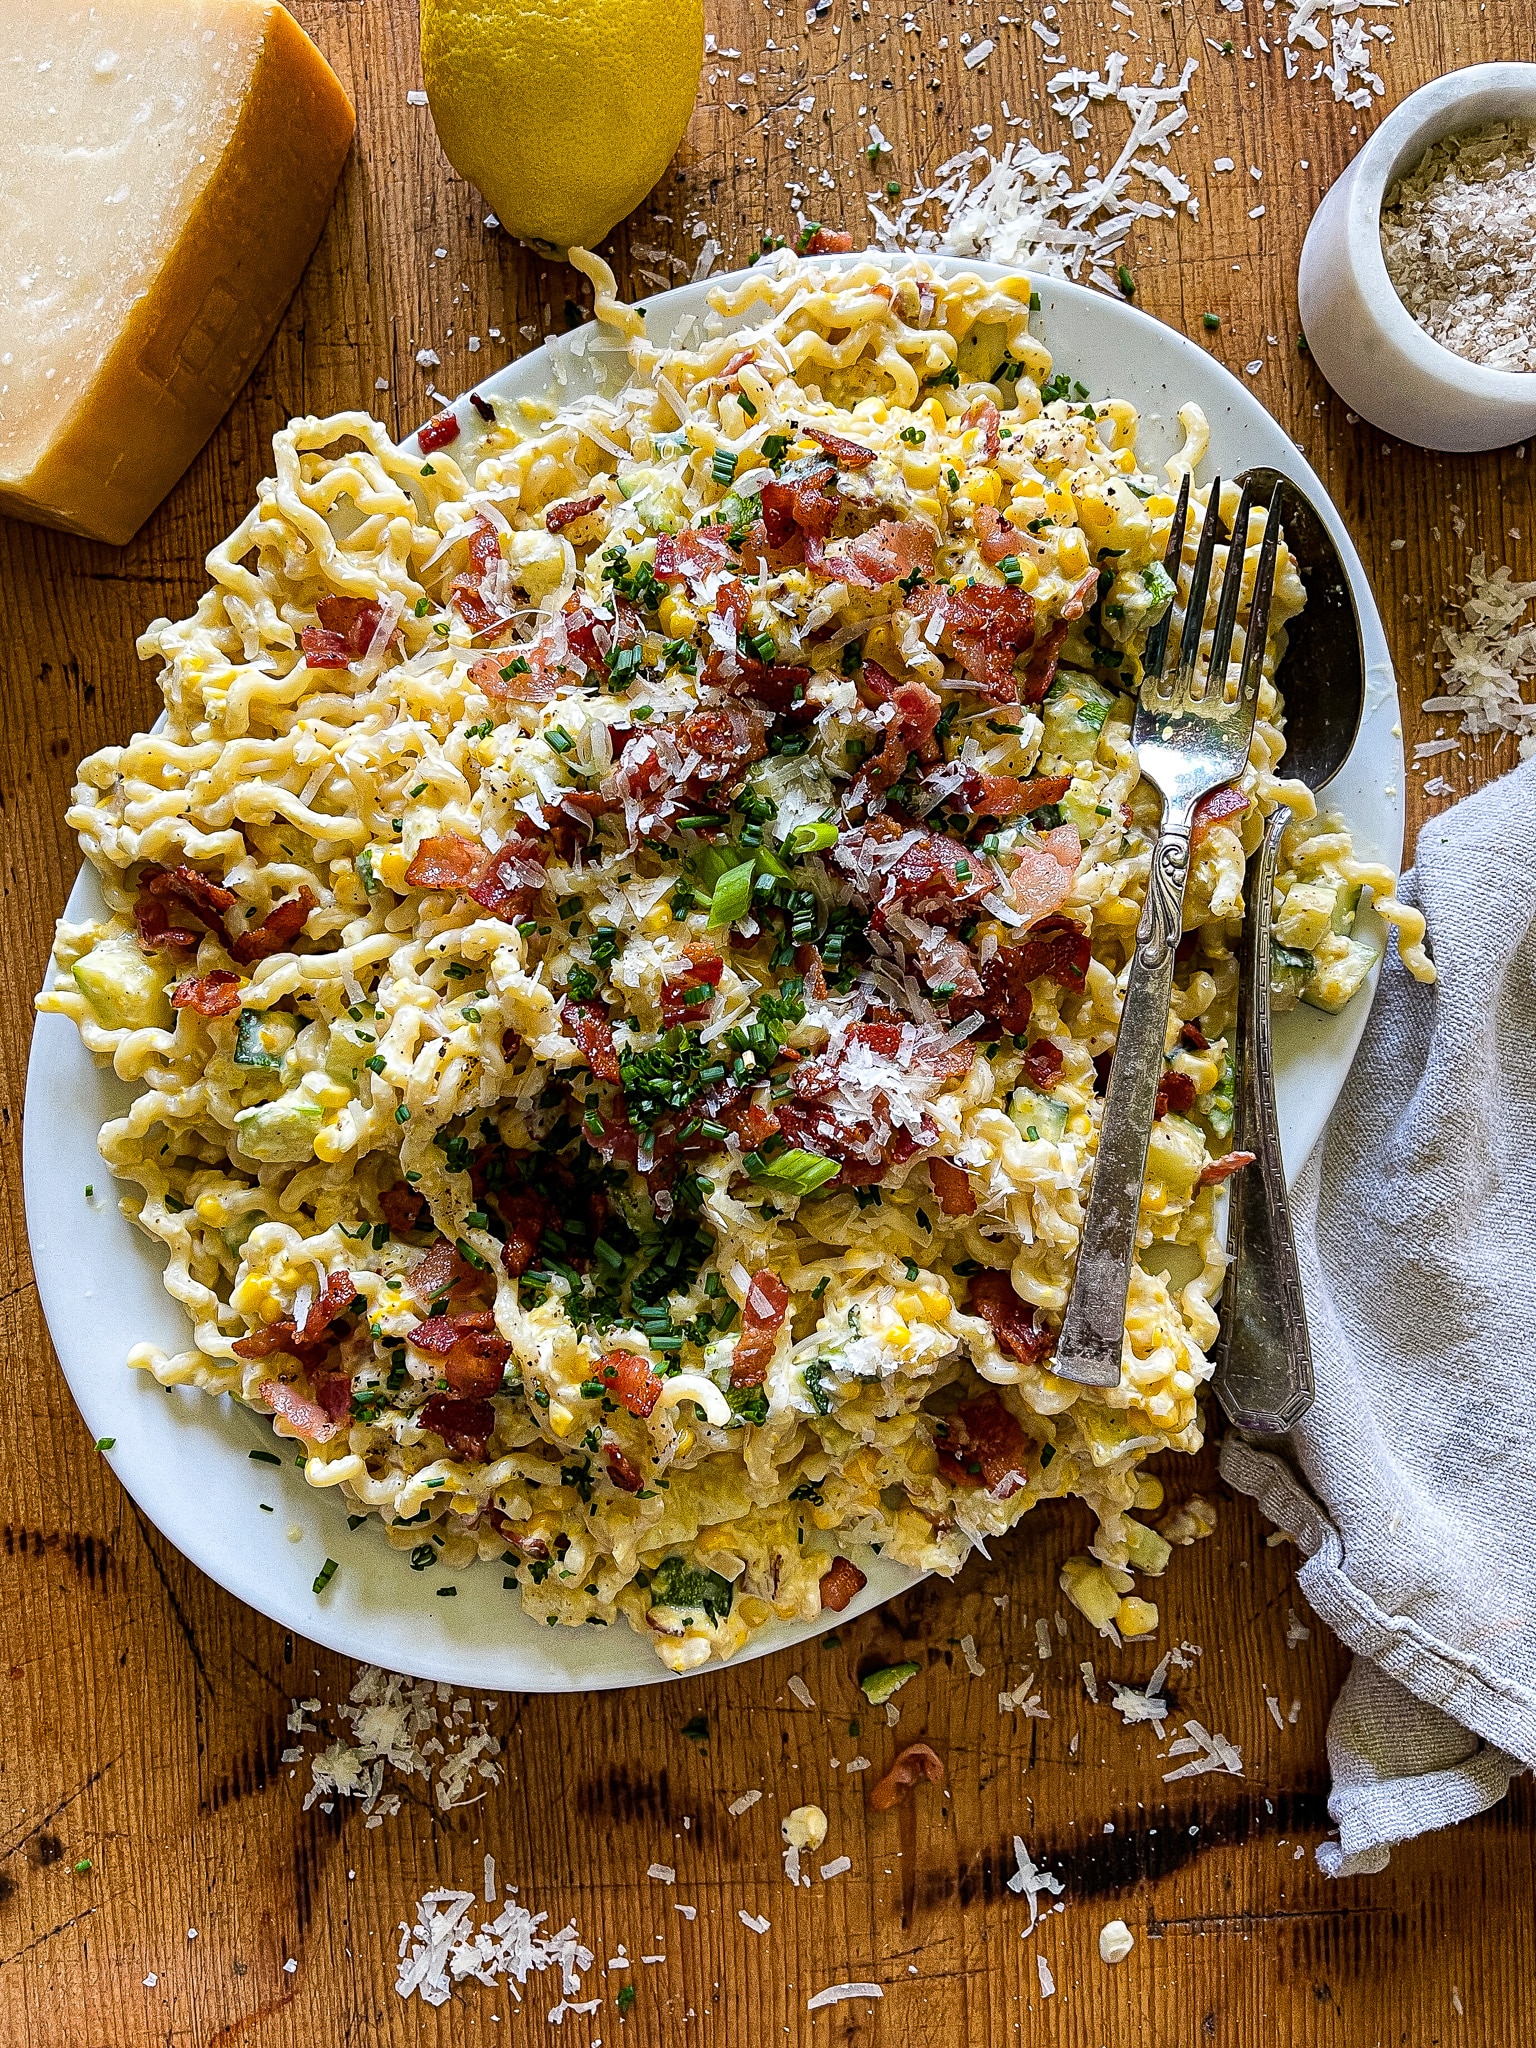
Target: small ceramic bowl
pixel 1366 342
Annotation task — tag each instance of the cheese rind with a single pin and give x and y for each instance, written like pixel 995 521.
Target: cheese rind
pixel 170 168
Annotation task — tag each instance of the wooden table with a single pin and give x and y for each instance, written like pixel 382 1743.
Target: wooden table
pixel 142 1710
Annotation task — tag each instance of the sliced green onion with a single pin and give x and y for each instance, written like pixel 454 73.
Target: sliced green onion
pixel 559 739
pixel 324 1576
pixel 763 645
pixel 801 1172
pixel 814 838
pixel 723 466
pixel 1012 573
pixel 732 898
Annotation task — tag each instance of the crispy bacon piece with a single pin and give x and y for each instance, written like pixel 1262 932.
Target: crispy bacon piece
pixel 277 930
pixel 1056 947
pixel 435 1272
pixel 848 454
pixel 329 1306
pixel 468 594
pixel 1041 672
pixel 938 879
pixel 438 433
pixel 1043 875
pixel 779 686
pixel 762 1317
pixel 827 242
pixel 354 620
pixel 628 1376
pixel 1223 1168
pixel 282 1335
pixel 623 1474
pixel 201 895
pixel 915 1762
pixel 504 682
pixel 473 1351
pixel 1193 1036
pixel 801 500
pixel 402 1207
pixel 156 932
pixel 841 1580
pixel 304 1417
pixel 998 538
pixel 952 1185
pixel 447 862
pixel 982 414
pixel 685 996
pixel 692 554
pixel 526 1217
pixel 465 1426
pixel 1015 1322
pixel 894 548
pixel 1081 596
pixel 985 1446
pixel 211 995
pixel 333 1391
pixel 513 878
pixel 808 964
pixel 911 730
pixel 986 627
pixel 322 649
pixel 1042 1065
pixel 558 517
pixel 1007 796
pixel 715 745
pixel 1217 807
pixel 574 821
pixel 588 1024
pixel 1175 1093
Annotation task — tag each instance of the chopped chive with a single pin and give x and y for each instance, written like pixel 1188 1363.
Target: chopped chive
pixel 723 466
pixel 324 1576
pixel 264 1457
pixel 1211 320
pixel 105 1443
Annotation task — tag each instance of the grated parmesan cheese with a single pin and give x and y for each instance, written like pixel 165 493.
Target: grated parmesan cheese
pixel 397 1727
pixel 1490 658
pixel 1030 1882
pixel 444 1947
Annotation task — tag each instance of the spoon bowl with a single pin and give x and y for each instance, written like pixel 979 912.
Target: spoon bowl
pixel 1322 678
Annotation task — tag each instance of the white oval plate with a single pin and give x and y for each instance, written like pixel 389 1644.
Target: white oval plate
pixel 185 1459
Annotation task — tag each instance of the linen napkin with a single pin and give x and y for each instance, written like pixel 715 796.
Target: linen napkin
pixel 1411 1484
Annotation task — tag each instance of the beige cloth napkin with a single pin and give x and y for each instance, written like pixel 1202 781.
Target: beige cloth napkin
pixel 1411 1484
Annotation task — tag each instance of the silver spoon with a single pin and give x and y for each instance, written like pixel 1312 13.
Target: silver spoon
pixel 1263 1375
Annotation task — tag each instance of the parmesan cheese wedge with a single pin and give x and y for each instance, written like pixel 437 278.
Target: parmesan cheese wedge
pixel 170 166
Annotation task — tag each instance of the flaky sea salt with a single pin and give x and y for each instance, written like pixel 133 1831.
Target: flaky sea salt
pixel 1456 234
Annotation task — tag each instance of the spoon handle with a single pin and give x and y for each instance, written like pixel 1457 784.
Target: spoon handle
pixel 1263 1373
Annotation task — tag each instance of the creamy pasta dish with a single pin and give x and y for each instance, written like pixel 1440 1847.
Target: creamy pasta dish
pixel 617 941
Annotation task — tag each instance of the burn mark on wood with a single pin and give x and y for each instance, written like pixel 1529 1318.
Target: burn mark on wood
pixel 90 1555
pixel 622 1794
pixel 257 1766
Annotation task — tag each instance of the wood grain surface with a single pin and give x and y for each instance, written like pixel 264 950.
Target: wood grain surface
pixel 142 1710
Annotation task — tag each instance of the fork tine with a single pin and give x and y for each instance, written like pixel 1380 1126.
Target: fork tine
pixel 1157 643
pixel 1257 634
pixel 1231 593
pixel 1199 589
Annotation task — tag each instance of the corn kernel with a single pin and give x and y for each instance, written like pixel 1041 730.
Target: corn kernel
pixel 1161 506
pixel 331 1144
pixel 1135 1617
pixel 909 1303
pixel 935 1301
pixel 1029 575
pixel 657 920
pixel 390 866
pixel 929 506
pixel 1059 503
pixel 1149 1492
pixel 920 469
pixel 982 487
pixel 270 1309
pixel 561 1419
pixel 1071 553
pixel 1125 461
pixel 210 1209
pixel 332 1095
pixel 898 1336
pixel 1116 910
pixel 677 619
pixel 826 1518
pixel 1094 513
pixel 753 1612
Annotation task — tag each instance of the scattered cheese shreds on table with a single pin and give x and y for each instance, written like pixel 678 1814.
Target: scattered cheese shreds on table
pixel 444 1947
pixel 1030 1882
pixel 836 1993
pixel 1023 207
pixel 1207 1752
pixel 1047 1981
pixel 407 1725
pixel 1487 660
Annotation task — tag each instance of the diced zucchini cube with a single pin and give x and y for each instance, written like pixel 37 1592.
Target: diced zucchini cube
pixel 1039 1118
pixel 280 1133
pixel 125 988
pixel 1338 977
pixel 1288 975
pixel 1305 915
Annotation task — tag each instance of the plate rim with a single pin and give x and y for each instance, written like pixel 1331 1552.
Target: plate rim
pixel 347 1619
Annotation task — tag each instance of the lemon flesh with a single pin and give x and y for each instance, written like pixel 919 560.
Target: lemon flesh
pixel 563 112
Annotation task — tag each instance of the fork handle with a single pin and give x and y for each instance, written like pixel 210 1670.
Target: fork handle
pixel 1264 1358
pixel 1093 1330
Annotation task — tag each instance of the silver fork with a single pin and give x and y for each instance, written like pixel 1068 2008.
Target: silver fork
pixel 1192 733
